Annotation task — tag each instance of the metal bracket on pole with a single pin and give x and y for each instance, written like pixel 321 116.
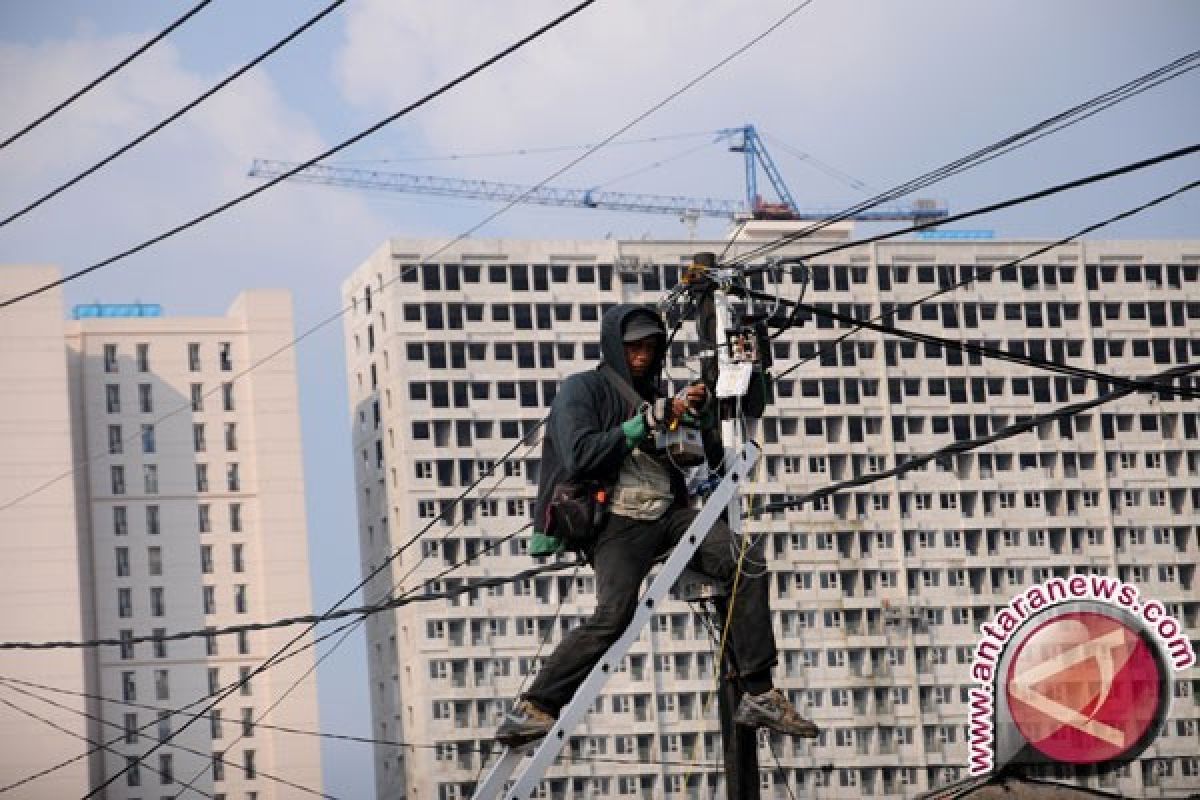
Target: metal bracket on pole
pixel 495 783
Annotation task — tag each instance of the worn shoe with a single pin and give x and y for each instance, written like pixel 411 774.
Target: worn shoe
pixel 525 723
pixel 772 710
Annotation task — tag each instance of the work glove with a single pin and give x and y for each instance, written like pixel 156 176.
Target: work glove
pixel 635 430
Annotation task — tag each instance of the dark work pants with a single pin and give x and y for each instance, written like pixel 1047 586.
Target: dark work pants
pixel 625 551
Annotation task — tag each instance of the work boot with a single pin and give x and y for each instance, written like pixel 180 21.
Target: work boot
pixel 525 723
pixel 772 710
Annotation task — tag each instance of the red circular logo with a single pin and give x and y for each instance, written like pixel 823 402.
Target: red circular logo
pixel 1084 687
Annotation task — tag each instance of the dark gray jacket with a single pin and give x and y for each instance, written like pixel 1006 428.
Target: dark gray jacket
pixel 583 437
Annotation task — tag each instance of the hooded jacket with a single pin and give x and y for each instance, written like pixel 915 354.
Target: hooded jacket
pixel 583 437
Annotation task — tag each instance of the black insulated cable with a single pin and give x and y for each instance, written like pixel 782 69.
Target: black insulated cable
pixel 125 148
pixel 194 221
pixel 1030 134
pixel 983 351
pixel 1022 426
pixel 984 271
pixel 113 70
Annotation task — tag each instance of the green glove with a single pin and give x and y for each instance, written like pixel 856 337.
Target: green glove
pixel 635 429
pixel 543 545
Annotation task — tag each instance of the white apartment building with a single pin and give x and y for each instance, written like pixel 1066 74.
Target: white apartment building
pixel 186 512
pixel 877 593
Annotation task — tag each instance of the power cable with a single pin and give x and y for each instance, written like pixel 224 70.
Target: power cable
pixel 206 756
pixel 181 710
pixel 300 731
pixel 1052 124
pixel 125 148
pixel 71 733
pixel 113 70
pixel 987 352
pixel 1065 412
pixel 982 272
pixel 399 276
pixel 194 221
pixel 617 133
pixel 308 619
pixel 1095 177
pixel 397 584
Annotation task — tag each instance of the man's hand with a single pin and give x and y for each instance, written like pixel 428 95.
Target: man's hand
pixel 690 399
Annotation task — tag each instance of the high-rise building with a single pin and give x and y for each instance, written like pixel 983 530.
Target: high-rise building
pixel 174 503
pixel 877 592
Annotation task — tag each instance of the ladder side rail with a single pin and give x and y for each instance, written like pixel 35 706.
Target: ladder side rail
pixel 574 712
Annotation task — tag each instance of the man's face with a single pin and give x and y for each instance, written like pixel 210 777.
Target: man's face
pixel 639 355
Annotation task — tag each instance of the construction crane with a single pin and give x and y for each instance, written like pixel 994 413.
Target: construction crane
pixel 688 208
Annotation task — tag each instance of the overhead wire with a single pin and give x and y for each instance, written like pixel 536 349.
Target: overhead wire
pixel 984 271
pixel 438 251
pixel 345 143
pixel 1009 431
pixel 398 583
pixel 137 140
pixel 181 710
pixel 108 73
pixel 69 732
pixel 1021 138
pixel 207 756
pixel 990 352
pixel 312 733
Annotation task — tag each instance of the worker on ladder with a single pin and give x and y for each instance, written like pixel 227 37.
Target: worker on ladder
pixel 607 491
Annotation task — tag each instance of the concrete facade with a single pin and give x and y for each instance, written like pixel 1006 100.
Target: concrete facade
pixel 877 593
pixel 190 508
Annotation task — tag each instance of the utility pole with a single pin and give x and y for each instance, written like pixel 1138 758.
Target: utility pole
pixel 739 745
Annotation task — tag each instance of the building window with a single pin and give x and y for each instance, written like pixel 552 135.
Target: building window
pixel 243 640
pixel 154 560
pixel 112 398
pixel 148 443
pixel 120 520
pixel 247 722
pixel 193 356
pixel 248 765
pixel 235 517
pixel 131 726
pixel 153 526
pixel 166 771
pixel 157 603
pixel 231 436
pixel 143 357
pixel 239 598
pixel 110 358
pixel 126 644
pixel 237 562
pixel 122 558
pixel 150 478
pixel 124 603
pixel 133 772
pixel 225 355
pixel 206 559
pixel 227 396
pixel 116 444
pixel 210 649
pixel 117 474
pixel 202 477
pixel 160 642
pixel 233 477
pixel 146 398
pixel 198 443
pixel 197 397
pixel 208 595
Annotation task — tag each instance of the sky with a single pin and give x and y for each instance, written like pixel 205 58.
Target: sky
pixel 868 93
